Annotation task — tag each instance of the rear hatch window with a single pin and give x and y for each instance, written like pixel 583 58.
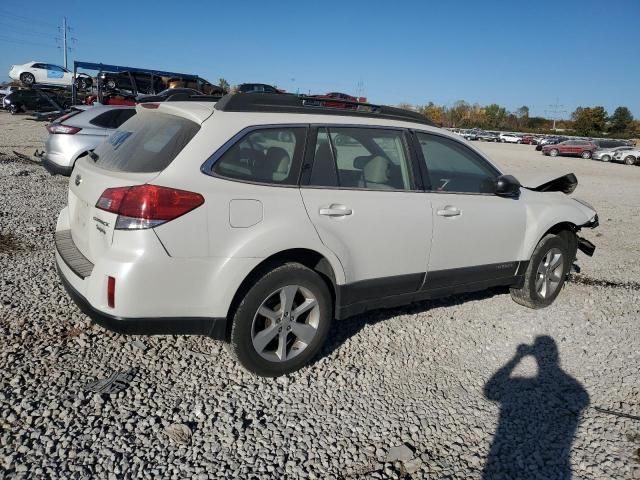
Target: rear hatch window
pixel 148 142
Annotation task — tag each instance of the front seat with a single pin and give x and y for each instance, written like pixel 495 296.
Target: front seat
pixel 375 174
pixel 275 166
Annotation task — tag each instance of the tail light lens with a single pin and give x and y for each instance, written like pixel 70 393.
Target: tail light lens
pixel 147 206
pixel 111 292
pixel 56 128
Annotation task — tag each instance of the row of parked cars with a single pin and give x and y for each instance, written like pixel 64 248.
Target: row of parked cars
pixel 605 150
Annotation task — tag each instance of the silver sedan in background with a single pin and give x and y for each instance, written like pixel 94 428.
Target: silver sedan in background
pixel 79 132
pixel 607 154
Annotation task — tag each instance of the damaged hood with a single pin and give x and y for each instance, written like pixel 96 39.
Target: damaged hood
pixel 550 183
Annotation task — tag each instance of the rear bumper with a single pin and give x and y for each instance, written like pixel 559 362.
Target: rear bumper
pixel 55 169
pixel 212 327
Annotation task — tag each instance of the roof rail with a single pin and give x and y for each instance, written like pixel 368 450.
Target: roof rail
pixel 292 103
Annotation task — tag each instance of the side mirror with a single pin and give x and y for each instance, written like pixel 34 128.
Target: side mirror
pixel 507 186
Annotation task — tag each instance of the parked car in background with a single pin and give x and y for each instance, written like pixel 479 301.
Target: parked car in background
pixel 74 135
pixel 4 91
pixel 30 100
pixel 628 157
pixel 549 141
pixel 469 135
pixel 257 88
pixel 338 96
pixel 529 140
pixel 581 148
pixel 608 143
pixel 167 94
pixel 606 154
pixel 32 73
pixel 177 225
pixel 510 138
pixel 488 136
pixel 132 81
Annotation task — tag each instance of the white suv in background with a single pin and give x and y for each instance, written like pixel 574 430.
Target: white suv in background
pixel 259 220
pixel 509 138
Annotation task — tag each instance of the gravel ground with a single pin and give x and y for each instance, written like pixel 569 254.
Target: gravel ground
pixel 436 390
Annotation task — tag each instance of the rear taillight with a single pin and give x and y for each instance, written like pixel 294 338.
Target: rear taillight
pixel 57 128
pixel 111 292
pixel 147 206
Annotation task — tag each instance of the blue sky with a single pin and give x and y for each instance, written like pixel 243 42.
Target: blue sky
pixel 512 53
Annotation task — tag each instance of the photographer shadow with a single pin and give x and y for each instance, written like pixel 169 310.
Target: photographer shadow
pixel 538 417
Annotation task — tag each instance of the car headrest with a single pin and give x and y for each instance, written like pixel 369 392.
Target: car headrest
pixel 361 162
pixel 376 170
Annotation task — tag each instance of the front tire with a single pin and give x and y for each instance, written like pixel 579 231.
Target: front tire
pixel 629 160
pixel 27 78
pixel 554 152
pixel 606 158
pixel 14 109
pixel 586 155
pixel 282 321
pixel 546 273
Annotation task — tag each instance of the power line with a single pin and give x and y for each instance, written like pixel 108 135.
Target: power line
pixel 555 111
pixel 22 31
pixel 25 42
pixel 20 18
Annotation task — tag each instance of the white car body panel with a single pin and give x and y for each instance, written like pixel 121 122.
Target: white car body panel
pixel 194 265
pixel 488 230
pixel 368 248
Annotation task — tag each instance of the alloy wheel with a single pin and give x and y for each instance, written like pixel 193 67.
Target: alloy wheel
pixel 549 274
pixel 285 324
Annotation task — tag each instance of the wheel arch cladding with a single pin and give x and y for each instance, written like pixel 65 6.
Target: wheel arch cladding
pixel 566 231
pixel 307 257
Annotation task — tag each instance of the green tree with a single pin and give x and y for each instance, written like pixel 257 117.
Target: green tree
pixel 496 115
pixel 222 83
pixel 621 120
pixel 587 120
pixel 523 112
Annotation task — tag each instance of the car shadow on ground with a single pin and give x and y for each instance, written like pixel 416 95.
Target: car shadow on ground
pixel 342 330
pixel 538 417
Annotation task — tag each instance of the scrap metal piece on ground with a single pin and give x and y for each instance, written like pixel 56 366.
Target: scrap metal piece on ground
pixel 115 383
pixel 179 433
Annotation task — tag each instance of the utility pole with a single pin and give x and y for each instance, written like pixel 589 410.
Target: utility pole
pixel 555 111
pixel 64 40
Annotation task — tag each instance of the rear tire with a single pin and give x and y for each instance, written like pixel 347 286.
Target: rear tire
pixel 546 273
pixel 629 160
pixel 554 152
pixel 268 337
pixel 27 78
pixel 586 155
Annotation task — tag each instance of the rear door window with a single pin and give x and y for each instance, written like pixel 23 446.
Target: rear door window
pixel 266 155
pixel 148 143
pixel 364 158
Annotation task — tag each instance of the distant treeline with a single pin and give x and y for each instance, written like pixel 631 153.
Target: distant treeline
pixel 585 121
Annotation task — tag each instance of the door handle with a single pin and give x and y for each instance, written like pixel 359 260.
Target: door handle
pixel 335 210
pixel 449 211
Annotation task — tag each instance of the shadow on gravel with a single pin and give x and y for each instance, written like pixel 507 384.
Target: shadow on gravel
pixel 538 417
pixel 342 330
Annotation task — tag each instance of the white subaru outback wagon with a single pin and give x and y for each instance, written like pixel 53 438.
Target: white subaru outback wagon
pixel 261 218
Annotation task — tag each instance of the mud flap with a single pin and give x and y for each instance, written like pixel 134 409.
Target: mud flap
pixel 585 246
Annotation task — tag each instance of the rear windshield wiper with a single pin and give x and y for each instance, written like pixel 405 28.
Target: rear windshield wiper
pixel 93 156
